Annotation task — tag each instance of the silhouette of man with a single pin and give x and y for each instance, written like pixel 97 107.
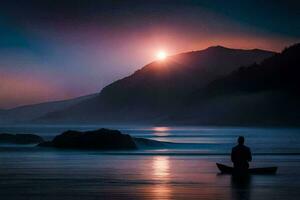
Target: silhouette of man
pixel 241 155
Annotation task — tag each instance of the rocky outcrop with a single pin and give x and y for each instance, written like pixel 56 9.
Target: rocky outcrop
pixel 102 139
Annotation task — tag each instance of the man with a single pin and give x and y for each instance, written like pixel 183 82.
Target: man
pixel 241 155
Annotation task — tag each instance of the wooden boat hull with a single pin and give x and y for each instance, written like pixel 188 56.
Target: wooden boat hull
pixel 230 170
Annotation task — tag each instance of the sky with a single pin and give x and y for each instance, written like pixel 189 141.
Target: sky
pixel 60 49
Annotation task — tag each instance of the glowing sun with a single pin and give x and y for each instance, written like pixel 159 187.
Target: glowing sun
pixel 161 55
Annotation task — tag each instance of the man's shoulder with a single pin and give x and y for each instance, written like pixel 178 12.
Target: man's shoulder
pixel 235 147
pixel 238 147
pixel 246 147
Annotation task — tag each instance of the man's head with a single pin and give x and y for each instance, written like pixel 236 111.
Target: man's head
pixel 241 140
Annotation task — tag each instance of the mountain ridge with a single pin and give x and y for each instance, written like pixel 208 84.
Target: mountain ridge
pixel 157 88
pixel 261 94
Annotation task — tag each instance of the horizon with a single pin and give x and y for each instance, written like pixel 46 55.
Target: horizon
pixel 58 50
pixel 152 99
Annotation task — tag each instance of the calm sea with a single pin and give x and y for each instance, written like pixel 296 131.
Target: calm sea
pixel 184 169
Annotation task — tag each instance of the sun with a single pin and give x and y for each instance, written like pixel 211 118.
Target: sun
pixel 161 55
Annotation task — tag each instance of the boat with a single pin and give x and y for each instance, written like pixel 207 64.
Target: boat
pixel 230 170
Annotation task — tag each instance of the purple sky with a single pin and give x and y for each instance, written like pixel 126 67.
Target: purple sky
pixel 62 49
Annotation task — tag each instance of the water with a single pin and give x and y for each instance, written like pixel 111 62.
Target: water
pixel 185 170
pixel 212 140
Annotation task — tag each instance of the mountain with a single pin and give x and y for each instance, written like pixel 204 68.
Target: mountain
pixel 261 94
pixel 279 72
pixel 30 112
pixel 151 93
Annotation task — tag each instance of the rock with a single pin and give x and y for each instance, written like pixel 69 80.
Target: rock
pixel 103 139
pixel 20 138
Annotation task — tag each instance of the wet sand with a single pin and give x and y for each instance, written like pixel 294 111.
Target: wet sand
pixel 75 175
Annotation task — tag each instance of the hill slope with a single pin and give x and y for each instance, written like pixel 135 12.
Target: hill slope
pixel 30 112
pixel 261 94
pixel 151 93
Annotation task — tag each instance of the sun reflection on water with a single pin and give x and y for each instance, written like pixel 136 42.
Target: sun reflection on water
pixel 161 167
pixel 161 172
pixel 161 128
pixel 161 131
